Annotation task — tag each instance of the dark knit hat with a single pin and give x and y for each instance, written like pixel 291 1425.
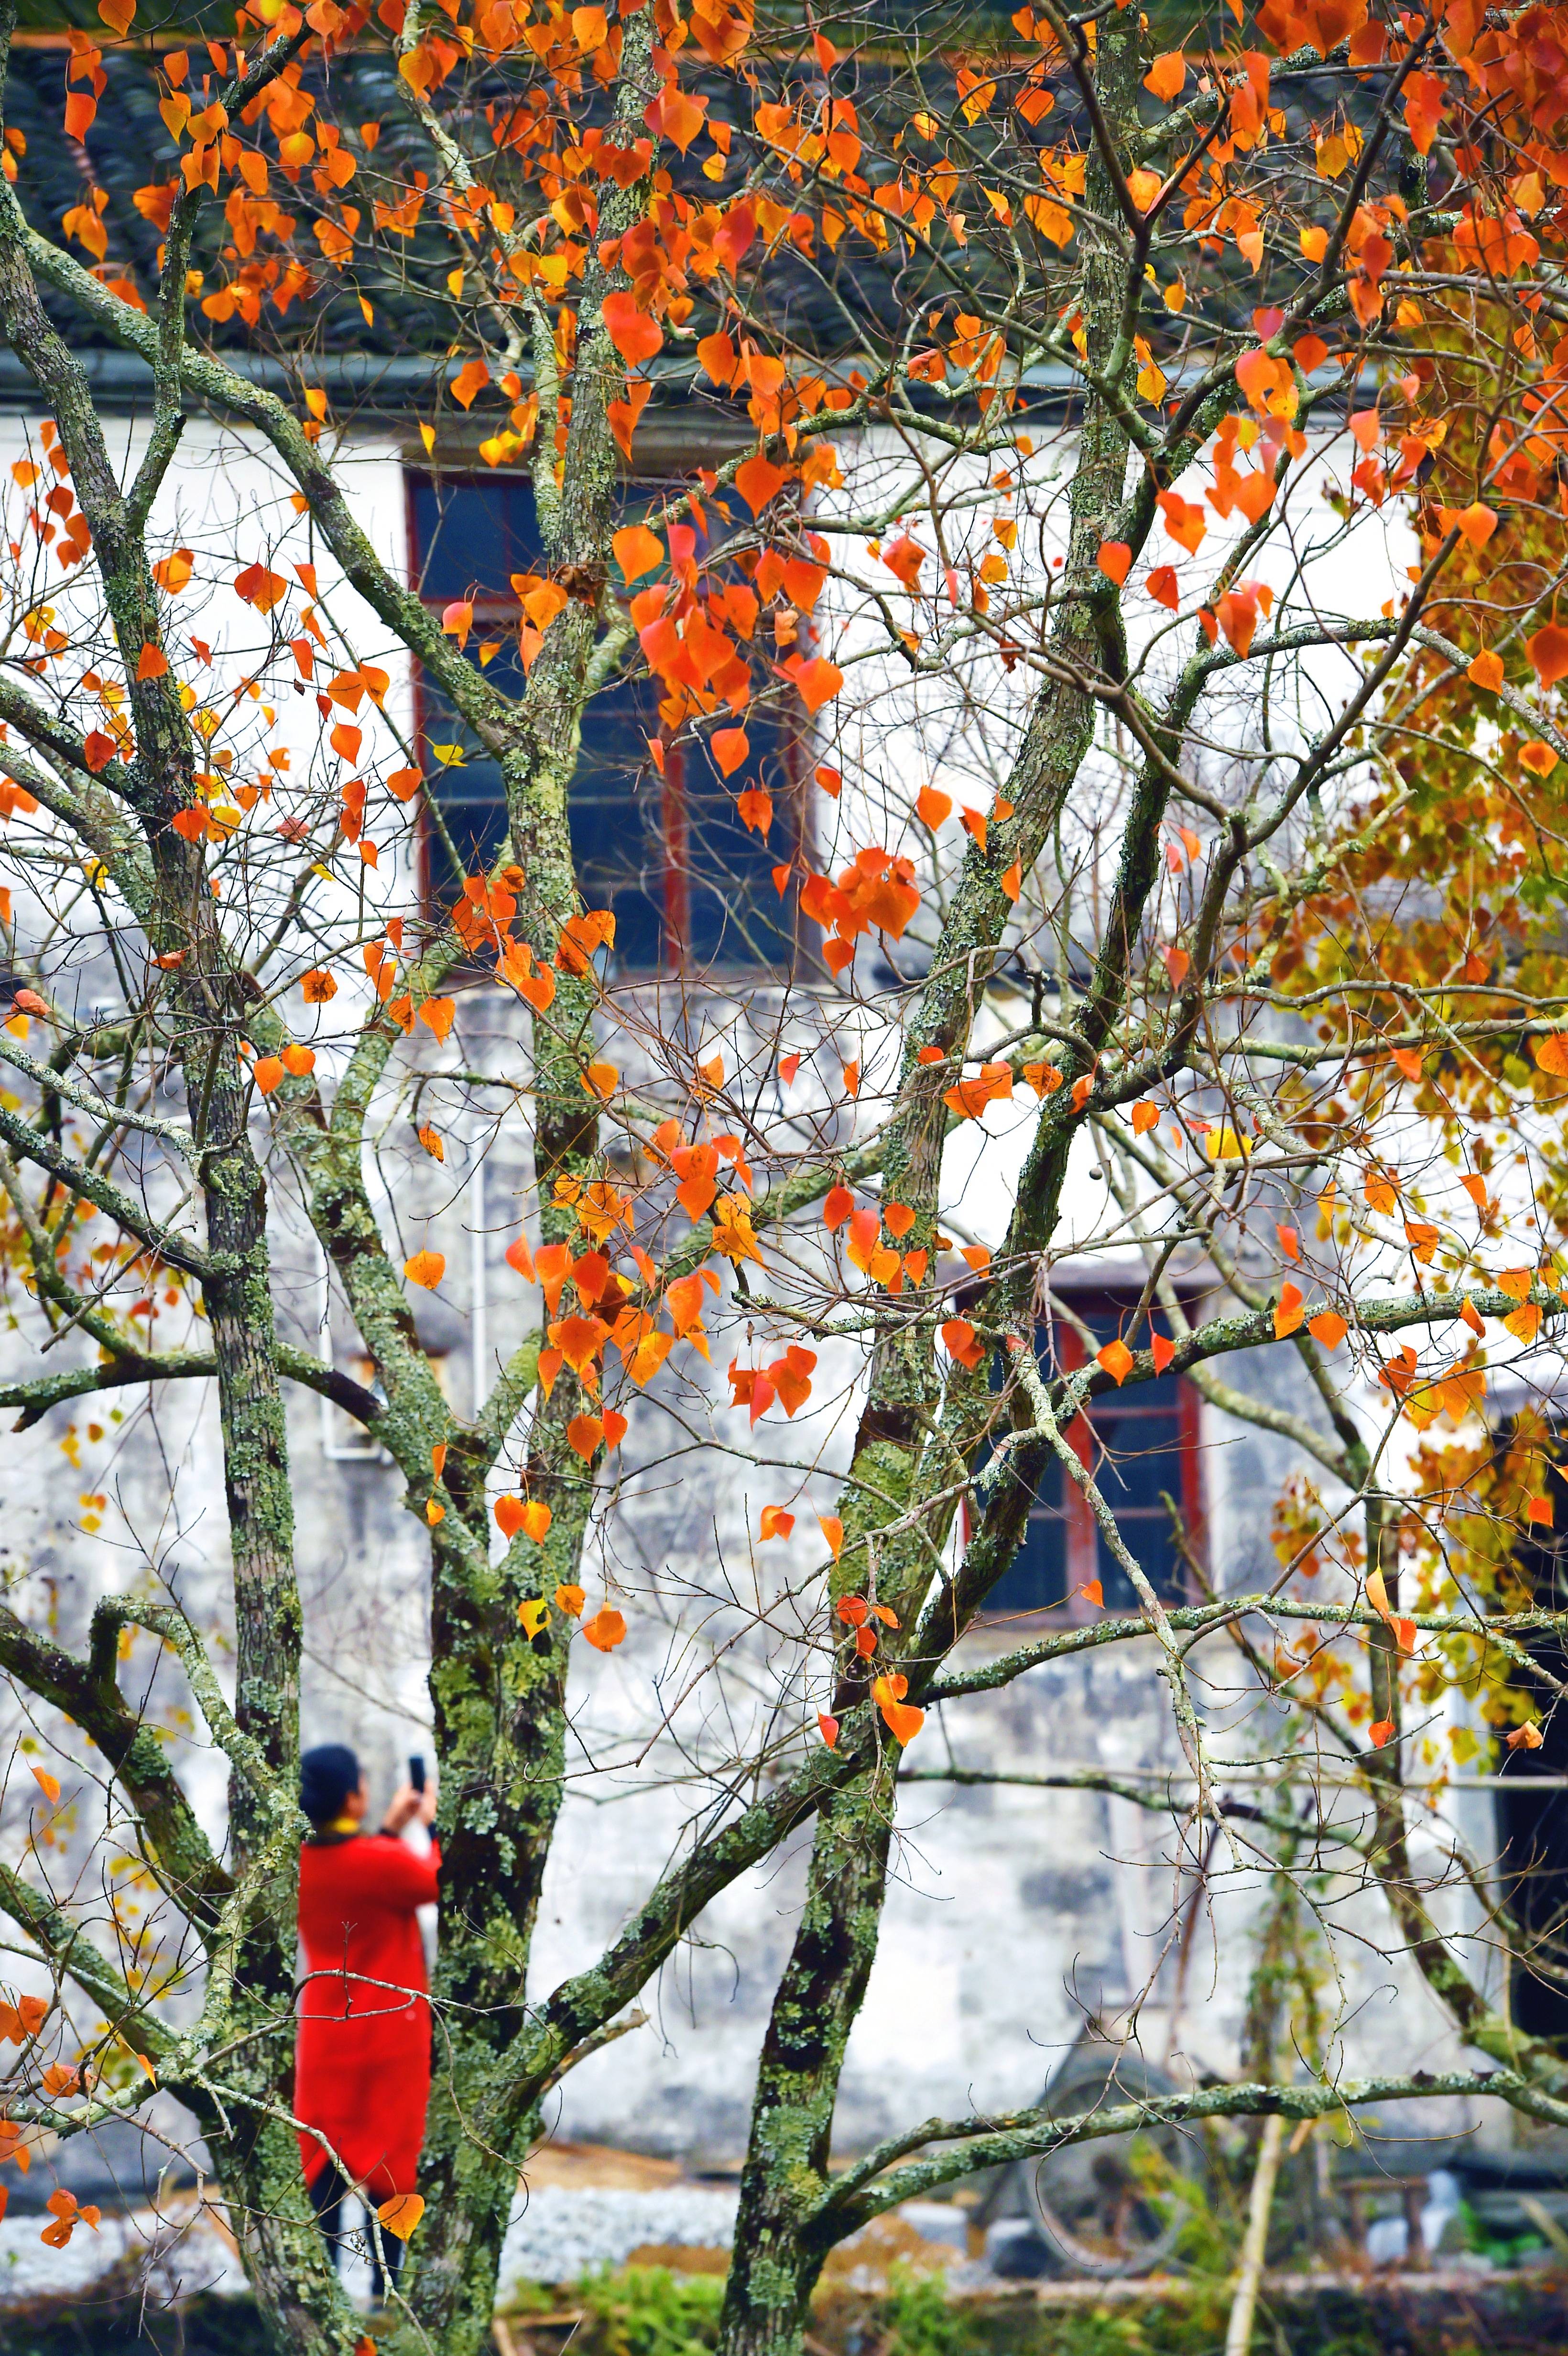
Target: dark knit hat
pixel 327 1775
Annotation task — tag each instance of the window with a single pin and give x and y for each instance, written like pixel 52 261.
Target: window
pixel 1138 1443
pixel 689 884
pixel 1532 1805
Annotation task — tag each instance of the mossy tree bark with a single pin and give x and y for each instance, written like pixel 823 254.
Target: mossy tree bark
pixel 780 2244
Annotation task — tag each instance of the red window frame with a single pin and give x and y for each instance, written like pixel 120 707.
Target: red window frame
pixel 1081 1533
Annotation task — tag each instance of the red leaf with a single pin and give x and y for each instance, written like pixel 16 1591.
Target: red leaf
pixel 634 335
pixel 1548 651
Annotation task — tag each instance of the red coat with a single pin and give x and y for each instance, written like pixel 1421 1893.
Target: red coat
pixel 362 2074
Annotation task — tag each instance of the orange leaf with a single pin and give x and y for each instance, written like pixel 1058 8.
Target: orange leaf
pixel 583 1434
pixel 1379 1733
pixel 47 1784
pixel 1145 1116
pixel 268 1072
pixel 777 1522
pixel 1012 882
pixel 828 1728
pixel 963 1343
pixel 729 747
pixel 400 2214
pixel 537 1519
pixel 832 1529
pixel 1096 1592
pixel 1552 1055
pixel 902 1722
pixel 1114 560
pixel 469 382
pixel 758 480
pixel 600 1079
pixel 1167 74
pixel 606 1630
pixel 637 551
pixel 152 662
pixel 426 1269
pixel 1327 1327
pixel 675 117
pixel 1288 1311
pixel 1117 1359
pixel 439 1013
pixel 1487 672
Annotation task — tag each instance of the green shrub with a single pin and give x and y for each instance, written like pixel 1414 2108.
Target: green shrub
pixel 649 2311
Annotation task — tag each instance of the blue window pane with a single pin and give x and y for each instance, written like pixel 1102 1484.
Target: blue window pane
pixel 1137 1461
pixel 670 857
pixel 1036 1580
pixel 471 536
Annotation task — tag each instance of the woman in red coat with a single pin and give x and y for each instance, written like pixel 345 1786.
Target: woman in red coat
pixel 362 2073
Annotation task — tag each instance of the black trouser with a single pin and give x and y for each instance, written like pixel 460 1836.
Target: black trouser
pixel 327 2199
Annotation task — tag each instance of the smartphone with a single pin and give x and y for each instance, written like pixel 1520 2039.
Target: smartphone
pixel 416 1772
